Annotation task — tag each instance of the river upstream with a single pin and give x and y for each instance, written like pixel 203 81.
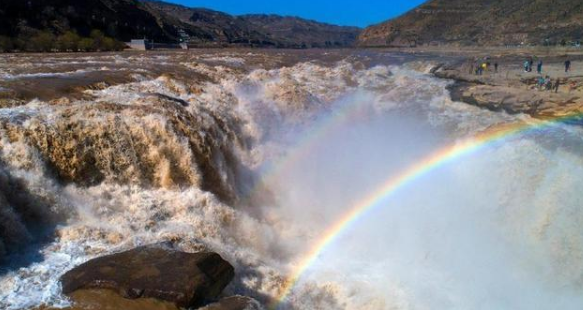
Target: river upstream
pixel 329 179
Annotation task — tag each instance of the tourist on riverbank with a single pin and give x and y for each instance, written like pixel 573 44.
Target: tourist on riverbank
pixel 567 66
pixel 496 67
pixel 548 83
pixel 539 67
pixel 557 85
pixel 544 83
pixel 530 64
pixel 526 64
pixel 540 82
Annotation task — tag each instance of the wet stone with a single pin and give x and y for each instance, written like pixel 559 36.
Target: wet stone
pixel 154 271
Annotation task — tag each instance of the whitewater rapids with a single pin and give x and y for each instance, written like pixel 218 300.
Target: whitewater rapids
pixel 244 153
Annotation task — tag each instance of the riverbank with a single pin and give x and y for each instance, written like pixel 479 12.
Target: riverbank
pixel 510 88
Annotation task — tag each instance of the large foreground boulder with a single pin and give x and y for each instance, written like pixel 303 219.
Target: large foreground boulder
pixel 155 271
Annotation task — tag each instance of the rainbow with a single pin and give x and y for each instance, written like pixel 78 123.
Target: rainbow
pixel 423 167
pixel 344 112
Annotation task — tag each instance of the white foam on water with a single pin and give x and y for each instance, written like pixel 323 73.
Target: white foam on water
pixel 499 229
pixel 8 76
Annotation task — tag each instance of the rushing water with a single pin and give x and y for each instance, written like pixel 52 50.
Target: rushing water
pixel 255 154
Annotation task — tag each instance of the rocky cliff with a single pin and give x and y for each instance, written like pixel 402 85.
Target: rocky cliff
pixel 481 22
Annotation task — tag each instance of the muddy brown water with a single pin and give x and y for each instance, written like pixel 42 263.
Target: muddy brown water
pixel 47 77
pixel 109 300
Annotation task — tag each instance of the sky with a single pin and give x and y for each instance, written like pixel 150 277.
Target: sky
pixel 360 13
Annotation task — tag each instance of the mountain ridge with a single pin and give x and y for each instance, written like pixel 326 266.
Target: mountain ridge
pixel 258 29
pixel 167 23
pixel 481 22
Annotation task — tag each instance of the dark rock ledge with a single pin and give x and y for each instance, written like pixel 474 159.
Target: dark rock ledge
pixel 187 280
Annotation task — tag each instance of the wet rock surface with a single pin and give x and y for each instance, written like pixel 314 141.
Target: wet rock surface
pixel 154 271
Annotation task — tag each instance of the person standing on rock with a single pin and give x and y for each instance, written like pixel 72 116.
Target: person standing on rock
pixel 539 67
pixel 496 67
pixel 530 64
pixel 526 65
pixel 567 66
pixel 557 84
pixel 540 83
pixel 479 69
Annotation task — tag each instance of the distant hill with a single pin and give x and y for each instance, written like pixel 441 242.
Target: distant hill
pixel 121 19
pixel 130 19
pixel 210 27
pixel 291 31
pixel 481 22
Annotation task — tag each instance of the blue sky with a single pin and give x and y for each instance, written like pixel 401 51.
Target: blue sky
pixel 342 12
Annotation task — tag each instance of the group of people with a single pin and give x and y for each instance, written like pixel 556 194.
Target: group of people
pixel 545 83
pixel 478 67
pixel 483 66
pixel 528 64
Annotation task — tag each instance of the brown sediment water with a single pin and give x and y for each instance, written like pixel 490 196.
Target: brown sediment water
pixel 254 154
pixel 109 300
